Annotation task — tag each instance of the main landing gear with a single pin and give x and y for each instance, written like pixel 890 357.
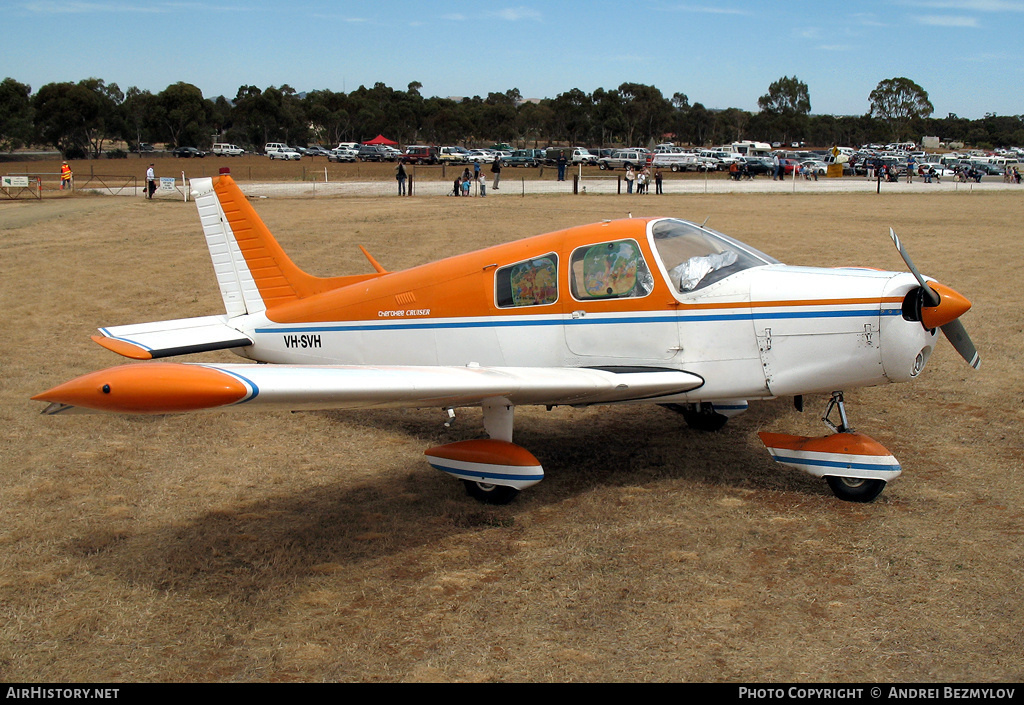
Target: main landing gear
pixel 856 467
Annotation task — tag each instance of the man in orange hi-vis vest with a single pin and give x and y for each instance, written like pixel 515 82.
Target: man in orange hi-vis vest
pixel 65 176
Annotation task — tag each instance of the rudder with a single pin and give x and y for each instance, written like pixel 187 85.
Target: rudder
pixel 252 269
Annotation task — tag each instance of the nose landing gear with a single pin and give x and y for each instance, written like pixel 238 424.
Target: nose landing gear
pixel 855 466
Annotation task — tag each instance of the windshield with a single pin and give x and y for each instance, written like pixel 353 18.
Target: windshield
pixel 696 257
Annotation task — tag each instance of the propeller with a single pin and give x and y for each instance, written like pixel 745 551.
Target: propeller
pixel 941 307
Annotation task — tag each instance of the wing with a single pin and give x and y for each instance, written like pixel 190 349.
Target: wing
pixel 165 387
pixel 146 341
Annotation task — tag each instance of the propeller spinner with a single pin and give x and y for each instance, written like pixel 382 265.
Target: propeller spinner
pixel 941 307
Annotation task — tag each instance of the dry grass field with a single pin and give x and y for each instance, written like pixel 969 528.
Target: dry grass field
pixel 321 547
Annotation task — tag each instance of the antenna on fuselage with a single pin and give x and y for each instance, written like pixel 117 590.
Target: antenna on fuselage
pixel 705 221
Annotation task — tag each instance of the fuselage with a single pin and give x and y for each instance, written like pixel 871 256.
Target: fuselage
pixel 628 293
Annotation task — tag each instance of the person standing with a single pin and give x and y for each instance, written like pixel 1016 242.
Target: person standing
pixel 657 182
pixel 401 177
pixel 482 183
pixel 777 164
pixel 496 170
pixel 562 161
pixel 65 176
pixel 150 182
pixel 629 178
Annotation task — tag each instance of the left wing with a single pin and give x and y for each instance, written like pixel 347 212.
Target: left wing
pixel 169 387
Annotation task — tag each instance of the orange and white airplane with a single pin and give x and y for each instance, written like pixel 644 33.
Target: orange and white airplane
pixel 652 310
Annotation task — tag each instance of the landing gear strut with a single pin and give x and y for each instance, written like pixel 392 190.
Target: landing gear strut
pixel 848 489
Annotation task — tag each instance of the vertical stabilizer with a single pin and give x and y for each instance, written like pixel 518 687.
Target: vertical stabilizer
pixel 252 270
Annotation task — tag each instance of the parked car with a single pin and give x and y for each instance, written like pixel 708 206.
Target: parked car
pixel 420 154
pixel 789 165
pixel 621 158
pixel 143 147
pixel 483 156
pixel 372 153
pixel 522 157
pixel 187 152
pixel 452 155
pixel 342 154
pixel 815 166
pixel 316 151
pixel 223 149
pixel 757 165
pixel 288 154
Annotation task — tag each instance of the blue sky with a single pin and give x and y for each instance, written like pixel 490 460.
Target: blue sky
pixel 722 53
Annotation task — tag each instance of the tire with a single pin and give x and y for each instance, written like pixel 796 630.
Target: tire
pixel 854 489
pixel 490 494
pixel 675 168
pixel 602 166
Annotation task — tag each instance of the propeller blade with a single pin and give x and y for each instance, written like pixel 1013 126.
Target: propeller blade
pixel 957 336
pixel 931 298
pixel 954 330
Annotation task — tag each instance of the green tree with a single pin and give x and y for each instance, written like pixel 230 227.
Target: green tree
pixel 787 96
pixel 607 115
pixel 572 115
pixel 899 101
pixel 645 112
pixel 64 113
pixel 15 115
pixel 107 122
pixel 181 114
pixel 328 116
pixel 785 108
pixel 135 111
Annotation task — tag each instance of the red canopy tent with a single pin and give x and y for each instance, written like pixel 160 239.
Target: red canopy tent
pixel 380 139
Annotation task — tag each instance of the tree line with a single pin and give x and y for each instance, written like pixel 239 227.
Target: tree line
pixel 80 119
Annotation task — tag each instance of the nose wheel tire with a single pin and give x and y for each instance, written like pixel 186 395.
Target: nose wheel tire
pixel 490 494
pixel 855 489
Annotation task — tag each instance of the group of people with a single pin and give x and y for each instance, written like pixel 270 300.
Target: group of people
pixel 643 180
pixel 464 182
pixel 1011 175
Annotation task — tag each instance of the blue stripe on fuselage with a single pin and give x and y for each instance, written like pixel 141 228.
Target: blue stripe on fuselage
pixel 433 324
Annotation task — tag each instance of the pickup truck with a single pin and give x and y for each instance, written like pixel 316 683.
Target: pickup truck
pixel 452 155
pixel 573 155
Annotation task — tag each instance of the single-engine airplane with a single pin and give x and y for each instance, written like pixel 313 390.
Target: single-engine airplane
pixel 653 310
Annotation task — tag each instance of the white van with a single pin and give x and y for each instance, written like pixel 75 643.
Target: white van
pixel 222 149
pixel 272 147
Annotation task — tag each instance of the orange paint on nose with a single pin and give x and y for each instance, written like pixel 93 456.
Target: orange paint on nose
pixel 952 305
pixel 156 388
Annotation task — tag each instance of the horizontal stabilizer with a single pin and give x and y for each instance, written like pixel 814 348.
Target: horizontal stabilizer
pixel 148 341
pixel 165 387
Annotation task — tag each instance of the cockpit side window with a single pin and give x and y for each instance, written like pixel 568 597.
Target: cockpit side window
pixel 695 257
pixel 530 283
pixel 610 270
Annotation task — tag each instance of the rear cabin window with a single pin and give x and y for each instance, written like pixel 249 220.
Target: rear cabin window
pixel 610 270
pixel 530 283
